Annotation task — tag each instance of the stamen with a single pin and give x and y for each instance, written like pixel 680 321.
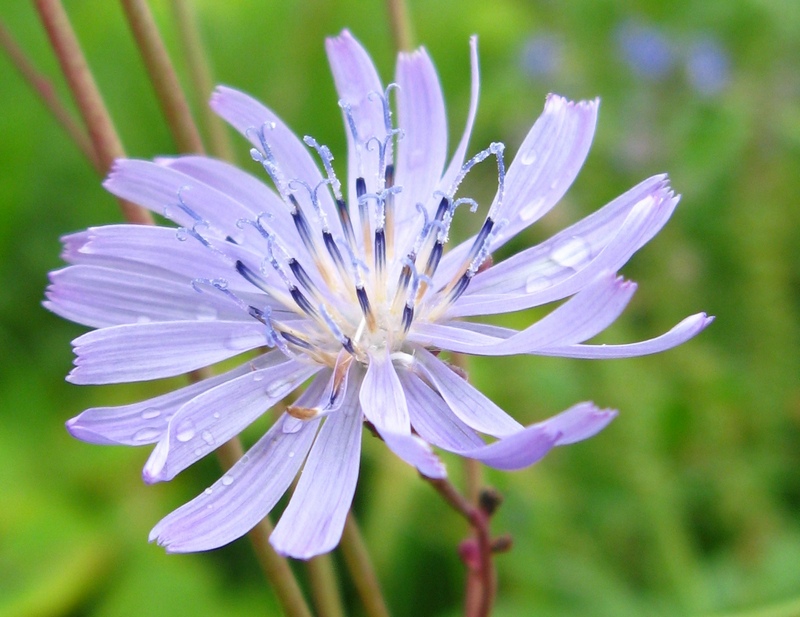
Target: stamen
pixel 388 209
pixel 363 214
pixel 351 123
pixel 326 157
pixel 366 309
pixel 267 158
pixel 345 341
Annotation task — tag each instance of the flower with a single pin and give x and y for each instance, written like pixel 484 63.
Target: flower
pixel 355 294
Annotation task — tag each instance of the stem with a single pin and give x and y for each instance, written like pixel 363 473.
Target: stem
pixel 324 587
pixel 481 581
pixel 360 566
pixel 401 25
pixel 165 80
pixel 200 78
pixel 106 143
pixel 44 88
pixel 275 567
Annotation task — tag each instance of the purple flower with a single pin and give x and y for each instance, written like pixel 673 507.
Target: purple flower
pixel 348 286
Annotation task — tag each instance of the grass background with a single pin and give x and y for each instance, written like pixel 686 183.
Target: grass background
pixel 687 505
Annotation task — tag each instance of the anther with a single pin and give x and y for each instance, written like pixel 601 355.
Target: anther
pixel 366 309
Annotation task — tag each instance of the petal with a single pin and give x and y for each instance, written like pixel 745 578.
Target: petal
pixel 407 230
pixel 382 399
pixel 293 158
pixel 234 504
pixel 313 521
pixel 357 84
pixel 146 422
pixel 547 163
pixel 566 262
pixel 682 332
pixel 138 352
pixel 467 403
pixel 583 316
pixel 435 422
pixel 101 297
pixel 207 421
pixel 432 418
pixel 163 190
pixel 421 116
pixel 148 249
pixel 384 404
pixel 529 445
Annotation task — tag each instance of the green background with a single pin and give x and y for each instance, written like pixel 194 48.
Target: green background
pixel 688 504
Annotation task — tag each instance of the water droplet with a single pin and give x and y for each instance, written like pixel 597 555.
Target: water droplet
pixel 258 376
pixel 185 431
pixel 198 451
pixel 529 157
pixel 227 480
pixel 571 253
pixel 208 491
pixel 244 460
pixel 291 454
pixel 277 388
pixel 536 282
pixel 531 210
pixel 150 413
pixel 208 437
pixel 216 415
pixel 206 313
pixel 239 342
pixel 147 434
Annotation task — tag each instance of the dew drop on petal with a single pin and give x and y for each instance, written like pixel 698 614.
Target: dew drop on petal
pixel 227 480
pixel 198 451
pixel 150 413
pixel 258 376
pixel 537 282
pixel 571 253
pixel 208 437
pixel 206 313
pixel 532 209
pixel 529 157
pixel 146 434
pixel 277 388
pixel 239 342
pixel 291 454
pixel 216 415
pixel 208 491
pixel 185 431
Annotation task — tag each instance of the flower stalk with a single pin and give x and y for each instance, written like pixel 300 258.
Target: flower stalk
pixel 47 93
pixel 105 141
pixel 162 74
pixel 361 571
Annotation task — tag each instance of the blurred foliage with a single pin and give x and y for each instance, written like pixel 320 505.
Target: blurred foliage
pixel 687 505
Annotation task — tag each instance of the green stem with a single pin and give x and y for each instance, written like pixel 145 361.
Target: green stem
pixel 275 567
pixel 401 25
pixel 163 76
pixel 106 142
pixel 360 566
pixel 200 78
pixel 324 587
pixel 44 88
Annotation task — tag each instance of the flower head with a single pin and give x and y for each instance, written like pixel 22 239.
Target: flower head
pixel 350 286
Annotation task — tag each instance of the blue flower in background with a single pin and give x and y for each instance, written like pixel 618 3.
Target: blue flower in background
pixel 352 288
pixel 708 66
pixel 645 49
